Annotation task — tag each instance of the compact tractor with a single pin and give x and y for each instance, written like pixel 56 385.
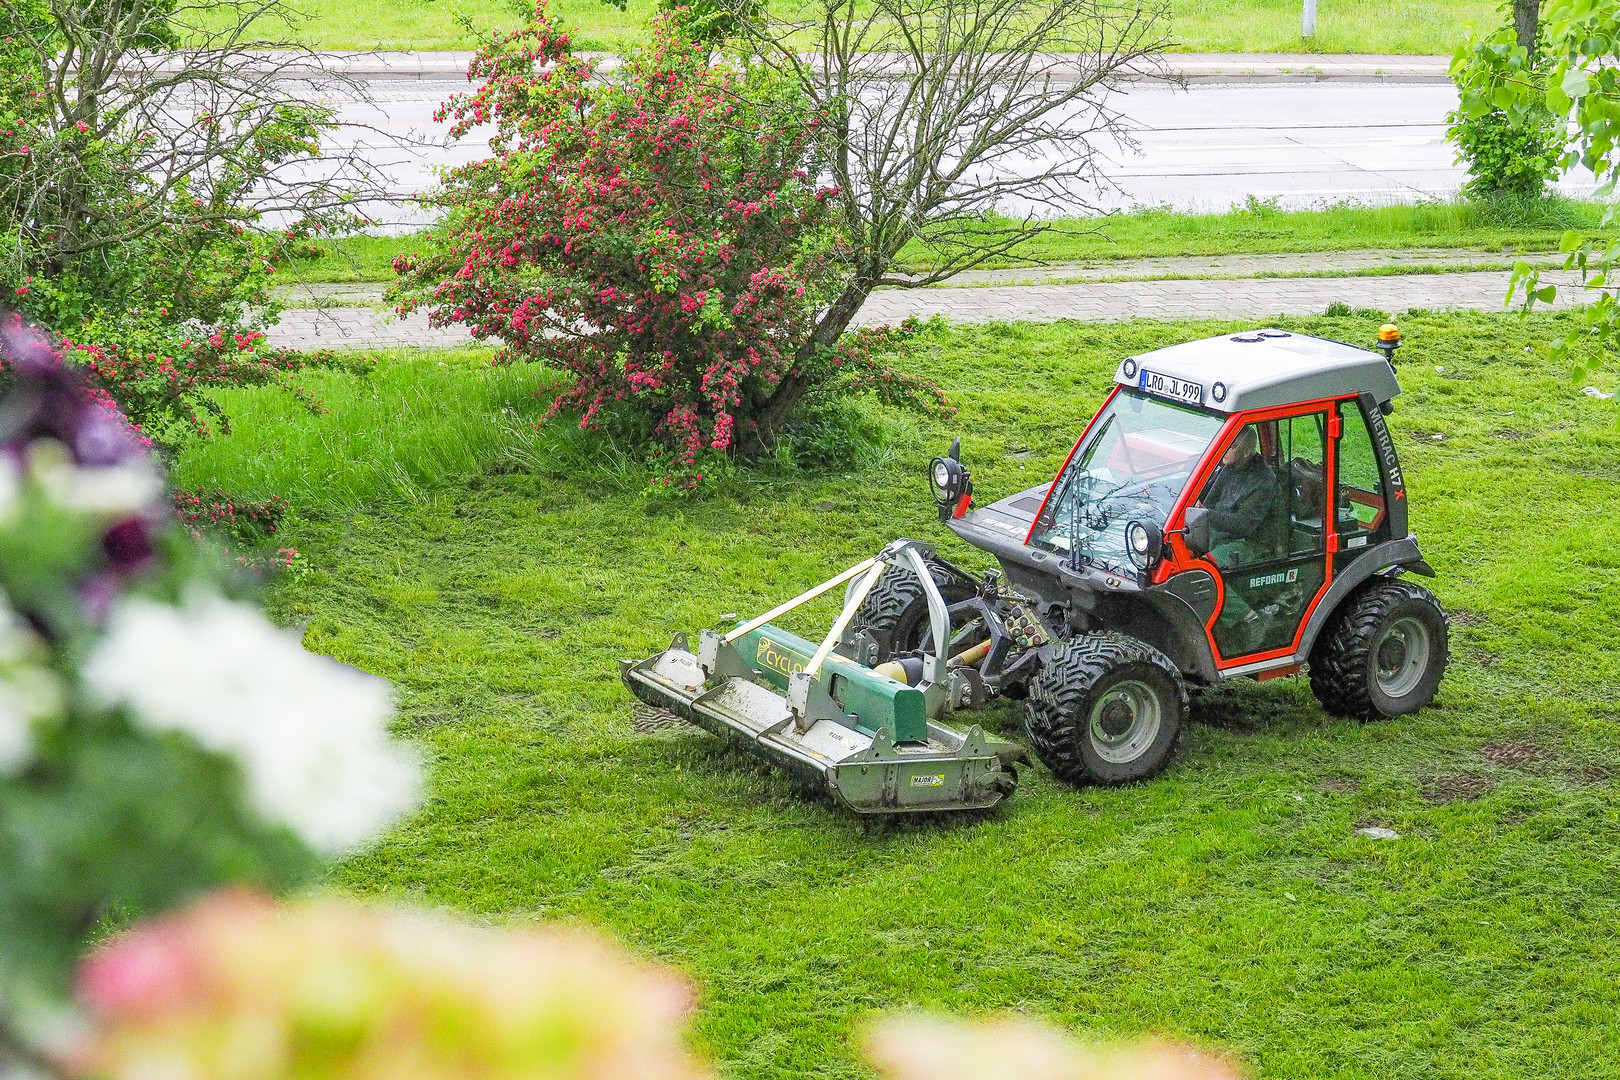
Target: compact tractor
pixel 1235 509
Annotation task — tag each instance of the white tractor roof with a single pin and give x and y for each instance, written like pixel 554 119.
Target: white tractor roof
pixel 1261 368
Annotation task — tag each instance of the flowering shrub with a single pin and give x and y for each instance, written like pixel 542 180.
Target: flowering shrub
pixel 654 231
pixel 234 989
pixel 164 382
pixel 128 185
pixel 170 397
pixel 156 737
pixel 241 527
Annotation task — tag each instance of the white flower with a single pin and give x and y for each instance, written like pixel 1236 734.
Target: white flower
pixel 16 742
pixel 103 490
pixel 10 486
pixel 27 692
pixel 310 733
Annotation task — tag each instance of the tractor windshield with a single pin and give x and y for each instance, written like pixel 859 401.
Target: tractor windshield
pixel 1140 454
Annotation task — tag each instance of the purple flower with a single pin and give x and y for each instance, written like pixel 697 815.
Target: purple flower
pixel 128 545
pixel 49 399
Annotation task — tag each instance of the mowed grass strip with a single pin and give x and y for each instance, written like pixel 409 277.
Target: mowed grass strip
pixel 1342 26
pixel 1510 227
pixel 1230 901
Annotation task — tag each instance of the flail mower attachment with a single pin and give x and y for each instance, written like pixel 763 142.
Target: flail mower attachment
pixel 872 740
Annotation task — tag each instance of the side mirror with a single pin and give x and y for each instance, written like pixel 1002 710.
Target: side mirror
pixel 1197 530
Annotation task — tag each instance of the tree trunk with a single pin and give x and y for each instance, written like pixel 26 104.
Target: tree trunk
pixel 834 321
pixel 1526 16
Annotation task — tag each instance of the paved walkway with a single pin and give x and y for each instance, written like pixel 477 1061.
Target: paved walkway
pixel 1257 298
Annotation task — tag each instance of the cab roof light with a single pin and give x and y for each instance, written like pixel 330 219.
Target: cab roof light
pixel 1389 339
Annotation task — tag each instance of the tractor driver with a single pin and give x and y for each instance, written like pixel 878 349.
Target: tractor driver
pixel 1241 500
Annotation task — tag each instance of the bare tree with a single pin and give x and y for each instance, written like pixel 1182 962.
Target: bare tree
pixel 946 114
pixel 167 123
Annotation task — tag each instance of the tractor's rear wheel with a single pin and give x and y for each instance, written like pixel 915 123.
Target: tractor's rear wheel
pixel 895 612
pixel 1105 710
pixel 1382 653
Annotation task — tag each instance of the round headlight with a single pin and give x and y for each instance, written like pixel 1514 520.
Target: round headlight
pixel 1142 543
pixel 1218 391
pixel 948 480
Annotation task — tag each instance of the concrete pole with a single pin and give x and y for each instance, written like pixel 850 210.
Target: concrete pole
pixel 1308 22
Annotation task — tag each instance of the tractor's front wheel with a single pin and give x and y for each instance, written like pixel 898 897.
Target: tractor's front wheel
pixel 1105 710
pixel 895 612
pixel 1382 653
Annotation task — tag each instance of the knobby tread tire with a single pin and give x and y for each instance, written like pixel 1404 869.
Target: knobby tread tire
pixel 1060 702
pixel 896 605
pixel 1341 660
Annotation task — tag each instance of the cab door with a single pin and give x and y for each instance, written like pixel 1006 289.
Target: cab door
pixel 1270 575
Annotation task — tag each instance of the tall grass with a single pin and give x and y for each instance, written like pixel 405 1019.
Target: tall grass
pixel 1504 225
pixel 415 423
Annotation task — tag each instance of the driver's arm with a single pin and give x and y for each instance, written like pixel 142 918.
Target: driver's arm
pixel 1243 503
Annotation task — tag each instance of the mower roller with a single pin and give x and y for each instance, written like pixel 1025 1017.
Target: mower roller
pixel 871 739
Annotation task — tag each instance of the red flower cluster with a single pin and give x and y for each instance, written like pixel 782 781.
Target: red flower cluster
pixel 655 233
pixel 165 391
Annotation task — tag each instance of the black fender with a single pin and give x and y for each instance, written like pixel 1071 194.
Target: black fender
pixel 1391 553
pixel 1165 620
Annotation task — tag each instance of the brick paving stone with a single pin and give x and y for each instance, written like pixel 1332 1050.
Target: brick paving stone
pixel 1103 301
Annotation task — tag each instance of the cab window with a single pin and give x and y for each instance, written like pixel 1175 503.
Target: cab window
pixel 1133 467
pixel 1362 507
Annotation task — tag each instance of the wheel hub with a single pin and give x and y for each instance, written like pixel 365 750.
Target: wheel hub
pixel 1391 657
pixel 1124 722
pixel 1116 718
pixel 1401 656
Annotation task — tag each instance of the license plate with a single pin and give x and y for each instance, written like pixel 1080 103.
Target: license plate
pixel 1165 386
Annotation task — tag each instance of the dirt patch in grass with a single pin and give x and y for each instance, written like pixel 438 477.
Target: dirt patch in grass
pixel 1340 784
pixel 1589 775
pixel 1465 617
pixel 1511 435
pixel 1513 754
pixel 1463 787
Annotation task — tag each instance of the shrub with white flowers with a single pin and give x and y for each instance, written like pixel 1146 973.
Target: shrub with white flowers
pixel 158 737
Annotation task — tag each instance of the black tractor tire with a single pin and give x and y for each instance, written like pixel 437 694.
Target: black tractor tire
pixel 895 612
pixel 1382 653
pixel 1107 709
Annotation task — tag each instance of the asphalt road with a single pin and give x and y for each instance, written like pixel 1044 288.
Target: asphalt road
pixel 1208 147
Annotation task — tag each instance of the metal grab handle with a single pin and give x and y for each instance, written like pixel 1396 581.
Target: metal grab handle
pixel 939 618
pixel 754 624
pixel 852 601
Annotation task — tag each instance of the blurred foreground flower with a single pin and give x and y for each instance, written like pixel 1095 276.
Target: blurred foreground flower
pixel 936 1048
pixel 157 740
pixel 310 733
pixel 238 989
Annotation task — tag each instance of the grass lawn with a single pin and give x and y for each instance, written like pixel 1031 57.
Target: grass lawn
pixel 495 574
pixel 1257 229
pixel 1342 26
